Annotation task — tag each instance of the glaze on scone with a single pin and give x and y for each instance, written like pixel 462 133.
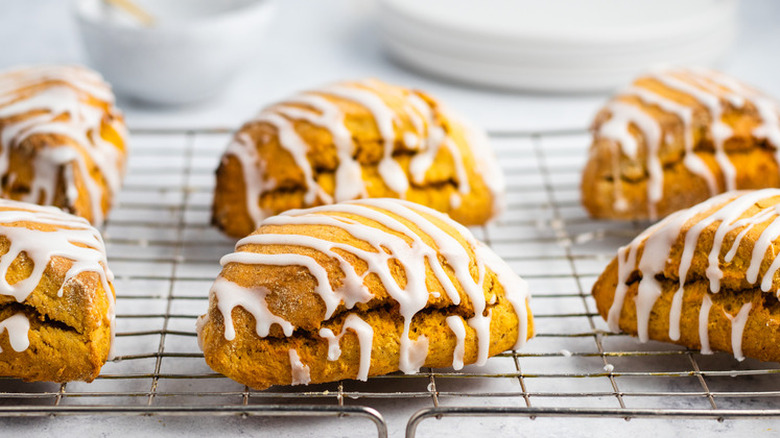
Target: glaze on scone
pixel 706 277
pixel 356 140
pixel 675 138
pixel 357 289
pixel 56 298
pixel 62 141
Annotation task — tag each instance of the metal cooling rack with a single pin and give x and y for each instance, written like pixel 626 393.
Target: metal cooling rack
pixel 165 256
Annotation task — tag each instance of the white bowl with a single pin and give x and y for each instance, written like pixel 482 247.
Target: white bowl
pixel 190 53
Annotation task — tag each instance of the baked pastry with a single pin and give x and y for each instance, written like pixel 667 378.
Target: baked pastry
pixel 676 137
pixel 62 141
pixel 359 288
pixel 355 140
pixel 706 277
pixel 56 298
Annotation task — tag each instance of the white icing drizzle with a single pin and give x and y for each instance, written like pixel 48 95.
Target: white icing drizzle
pixel 719 130
pixel 411 140
pixel 410 250
pixel 365 335
pixel 713 91
pixel 437 138
pixel 353 290
pixel 294 144
pixel 704 320
pixel 334 349
pixel 486 163
pixel 738 322
pixel 318 108
pixel 384 117
pixel 323 287
pixel 729 212
pixel 455 200
pixel 243 148
pixel 74 239
pixel 770 122
pixel 460 167
pixel 515 290
pixel 18 328
pixel 726 216
pixel 658 241
pixel 693 162
pixel 767 108
pixel 458 328
pixel 81 78
pixel 458 258
pixel 229 295
pixel 300 372
pixel 67 93
pixel 759 249
pixel 414 296
pixel 349 174
pixel 617 129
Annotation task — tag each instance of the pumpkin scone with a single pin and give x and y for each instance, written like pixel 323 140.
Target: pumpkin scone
pixel 357 289
pixel 56 297
pixel 352 140
pixel 676 137
pixel 706 278
pixel 62 141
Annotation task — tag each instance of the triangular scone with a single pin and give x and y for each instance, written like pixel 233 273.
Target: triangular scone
pixel 351 140
pixel 358 289
pixel 674 138
pixel 706 277
pixel 62 141
pixel 56 298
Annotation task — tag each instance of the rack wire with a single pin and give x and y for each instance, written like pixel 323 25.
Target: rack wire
pixel 165 256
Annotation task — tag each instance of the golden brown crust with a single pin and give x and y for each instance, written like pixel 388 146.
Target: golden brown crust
pixel 292 289
pixel 291 295
pixel 755 169
pixel 615 184
pixel 280 170
pixel 761 335
pixel 57 353
pixel 40 138
pixel 264 361
pixel 694 234
pixel 70 314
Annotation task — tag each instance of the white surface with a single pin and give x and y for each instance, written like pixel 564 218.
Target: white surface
pixel 314 42
pixel 562 45
pixel 173 61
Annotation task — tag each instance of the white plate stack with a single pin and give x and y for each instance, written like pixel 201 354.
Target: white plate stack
pixel 554 45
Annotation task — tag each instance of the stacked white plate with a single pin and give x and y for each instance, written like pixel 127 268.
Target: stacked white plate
pixel 554 45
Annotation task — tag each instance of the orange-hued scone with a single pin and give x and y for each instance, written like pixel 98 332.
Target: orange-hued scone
pixel 56 297
pixel 706 277
pixel 62 141
pixel 357 289
pixel 351 140
pixel 674 138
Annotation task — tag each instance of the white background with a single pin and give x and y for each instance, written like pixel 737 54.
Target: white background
pixel 314 42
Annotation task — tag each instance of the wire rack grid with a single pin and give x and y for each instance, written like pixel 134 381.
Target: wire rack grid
pixel 165 256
